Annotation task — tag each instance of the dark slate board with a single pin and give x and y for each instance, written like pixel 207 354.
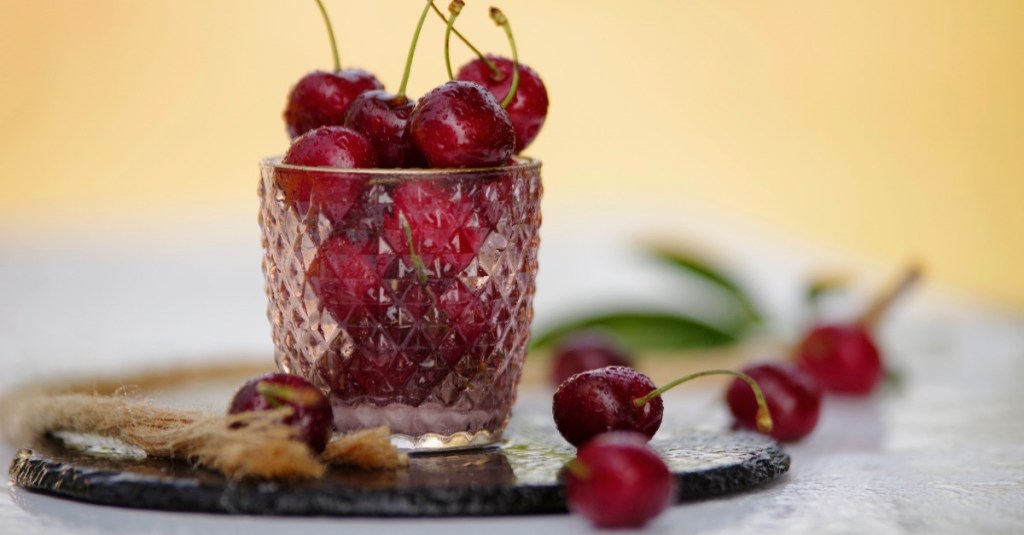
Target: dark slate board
pixel 520 477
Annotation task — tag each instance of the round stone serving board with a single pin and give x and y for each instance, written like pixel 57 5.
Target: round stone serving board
pixel 520 477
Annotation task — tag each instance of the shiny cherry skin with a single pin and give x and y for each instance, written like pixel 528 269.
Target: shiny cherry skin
pixel 793 396
pixel 616 481
pixel 327 146
pixel 346 280
pixel 843 358
pixel 384 119
pixel 460 124
pixel 601 400
pixel 587 350
pixel 322 98
pixel 311 415
pixel 528 109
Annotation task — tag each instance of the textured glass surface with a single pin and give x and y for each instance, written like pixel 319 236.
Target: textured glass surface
pixel 405 295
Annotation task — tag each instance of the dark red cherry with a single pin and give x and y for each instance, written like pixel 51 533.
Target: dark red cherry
pixel 602 400
pixel 344 277
pixel 843 358
pixel 616 481
pixel 384 119
pixel 311 414
pixel 329 194
pixel 460 124
pixel 332 146
pixel 617 398
pixel 529 106
pixel 793 396
pixel 322 98
pixel 588 350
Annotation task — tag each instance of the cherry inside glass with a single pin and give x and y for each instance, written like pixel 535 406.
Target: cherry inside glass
pixel 406 295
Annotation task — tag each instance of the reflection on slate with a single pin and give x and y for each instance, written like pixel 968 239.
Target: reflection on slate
pixel 522 477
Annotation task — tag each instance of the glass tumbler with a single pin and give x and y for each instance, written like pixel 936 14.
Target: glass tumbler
pixel 406 295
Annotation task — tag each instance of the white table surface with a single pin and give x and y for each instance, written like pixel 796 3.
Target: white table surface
pixel 941 454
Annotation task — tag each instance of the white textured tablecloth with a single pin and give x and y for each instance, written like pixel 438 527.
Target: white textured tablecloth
pixel 941 454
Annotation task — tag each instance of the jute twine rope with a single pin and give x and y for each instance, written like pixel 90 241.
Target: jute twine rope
pixel 249 445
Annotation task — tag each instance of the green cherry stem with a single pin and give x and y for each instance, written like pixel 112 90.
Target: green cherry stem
pixel 454 8
pixel 278 395
pixel 412 49
pixel 499 18
pixel 764 418
pixel 495 72
pixel 578 469
pixel 417 260
pixel 330 34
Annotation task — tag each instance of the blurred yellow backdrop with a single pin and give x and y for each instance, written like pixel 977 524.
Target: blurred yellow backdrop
pixel 880 127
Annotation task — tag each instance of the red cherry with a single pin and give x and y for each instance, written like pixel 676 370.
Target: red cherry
pixel 529 106
pixel 616 481
pixel 328 146
pixel 345 279
pixel 384 119
pixel 311 414
pixel 428 226
pixel 617 398
pixel 322 98
pixel 601 400
pixel 793 396
pixel 585 351
pixel 460 124
pixel 843 358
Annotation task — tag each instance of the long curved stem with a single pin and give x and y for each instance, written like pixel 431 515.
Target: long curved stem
pixel 764 418
pixel 495 71
pixel 500 19
pixel 412 49
pixel 454 8
pixel 330 34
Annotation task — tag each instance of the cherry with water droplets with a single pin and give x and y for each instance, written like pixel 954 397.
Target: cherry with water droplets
pixel 528 108
pixel 460 124
pixel 793 396
pixel 383 118
pixel 616 481
pixel 322 98
pixel 311 416
pixel 618 398
pixel 587 350
pixel 332 147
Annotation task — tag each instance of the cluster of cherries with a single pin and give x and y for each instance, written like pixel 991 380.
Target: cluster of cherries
pixel 609 410
pixel 487 113
pixel 492 109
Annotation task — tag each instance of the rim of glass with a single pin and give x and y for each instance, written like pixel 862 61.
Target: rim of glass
pixel 522 163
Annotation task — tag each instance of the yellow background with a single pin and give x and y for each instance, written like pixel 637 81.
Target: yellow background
pixel 886 128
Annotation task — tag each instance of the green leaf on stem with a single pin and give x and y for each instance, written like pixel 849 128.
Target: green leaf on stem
pixel 692 265
pixel 644 330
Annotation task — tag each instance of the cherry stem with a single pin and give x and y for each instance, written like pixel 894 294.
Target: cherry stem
pixel 499 18
pixel 870 318
pixel 454 8
pixel 412 49
pixel 276 394
pixel 764 417
pixel 417 260
pixel 330 34
pixel 495 71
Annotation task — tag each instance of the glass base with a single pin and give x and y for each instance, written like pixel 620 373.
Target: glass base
pixel 427 428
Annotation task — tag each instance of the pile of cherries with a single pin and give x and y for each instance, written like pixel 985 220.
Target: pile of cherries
pixel 491 110
pixel 609 410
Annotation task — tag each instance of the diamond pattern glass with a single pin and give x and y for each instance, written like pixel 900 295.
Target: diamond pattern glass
pixel 405 295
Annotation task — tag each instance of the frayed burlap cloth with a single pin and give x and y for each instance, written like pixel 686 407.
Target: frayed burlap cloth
pixel 249 445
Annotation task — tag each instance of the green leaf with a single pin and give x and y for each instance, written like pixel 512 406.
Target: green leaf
pixel 820 286
pixel 644 330
pixel 694 266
